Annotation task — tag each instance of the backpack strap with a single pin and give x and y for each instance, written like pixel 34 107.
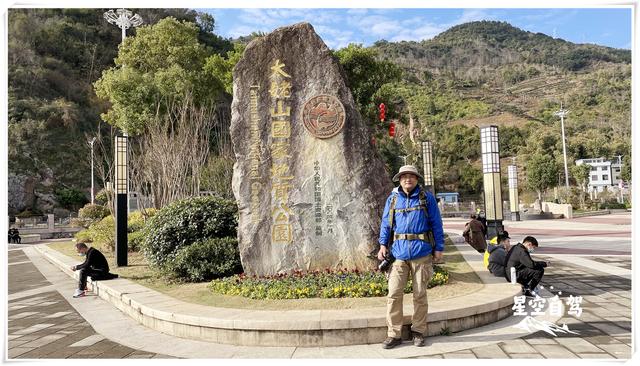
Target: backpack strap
pixel 423 202
pixel 392 209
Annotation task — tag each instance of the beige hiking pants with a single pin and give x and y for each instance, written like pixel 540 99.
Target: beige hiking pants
pixel 421 270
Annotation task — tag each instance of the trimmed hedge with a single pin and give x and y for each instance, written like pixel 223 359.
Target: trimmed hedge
pixel 184 222
pixel 206 260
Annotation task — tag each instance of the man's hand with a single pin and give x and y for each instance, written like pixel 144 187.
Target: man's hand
pixel 437 257
pixel 73 268
pixel 382 252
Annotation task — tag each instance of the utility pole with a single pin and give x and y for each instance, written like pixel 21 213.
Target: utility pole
pixel 563 113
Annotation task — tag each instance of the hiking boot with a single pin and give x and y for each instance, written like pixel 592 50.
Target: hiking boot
pixel 79 293
pixel 529 293
pixel 391 342
pixel 418 339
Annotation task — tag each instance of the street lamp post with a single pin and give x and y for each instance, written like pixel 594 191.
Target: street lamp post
pixel 93 140
pixel 563 113
pixel 513 192
pixel 491 178
pixel 121 184
pixel 124 19
pixel 427 160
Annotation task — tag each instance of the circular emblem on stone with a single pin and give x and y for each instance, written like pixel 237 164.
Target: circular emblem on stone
pixel 323 116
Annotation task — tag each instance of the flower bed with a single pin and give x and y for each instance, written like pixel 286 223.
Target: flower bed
pixel 322 284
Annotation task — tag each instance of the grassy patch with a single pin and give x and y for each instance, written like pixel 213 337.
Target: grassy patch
pixel 462 281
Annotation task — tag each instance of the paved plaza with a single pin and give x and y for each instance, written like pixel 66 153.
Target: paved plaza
pixel 591 259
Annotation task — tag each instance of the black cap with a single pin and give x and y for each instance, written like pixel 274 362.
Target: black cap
pixel 503 236
pixel 531 240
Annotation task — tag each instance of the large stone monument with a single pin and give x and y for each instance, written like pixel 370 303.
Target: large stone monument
pixel 309 185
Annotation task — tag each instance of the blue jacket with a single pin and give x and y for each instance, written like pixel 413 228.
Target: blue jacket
pixel 412 222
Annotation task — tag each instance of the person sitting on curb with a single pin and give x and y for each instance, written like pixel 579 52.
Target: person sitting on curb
pixel 498 254
pixel 95 265
pixel 528 272
pixel 14 236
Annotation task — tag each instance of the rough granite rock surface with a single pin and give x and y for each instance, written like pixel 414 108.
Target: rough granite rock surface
pixel 304 202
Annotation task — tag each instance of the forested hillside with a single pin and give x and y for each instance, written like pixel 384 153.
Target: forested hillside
pixel 442 89
pixel 55 56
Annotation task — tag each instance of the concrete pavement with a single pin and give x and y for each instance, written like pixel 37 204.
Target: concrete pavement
pixel 604 326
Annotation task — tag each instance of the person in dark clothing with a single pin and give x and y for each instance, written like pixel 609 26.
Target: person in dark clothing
pixel 14 236
pixel 528 272
pixel 498 254
pixel 483 221
pixel 95 265
pixel 474 234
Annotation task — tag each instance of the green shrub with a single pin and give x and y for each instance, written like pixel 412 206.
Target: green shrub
pixel 104 196
pixel 323 284
pixel 102 233
pixel 134 241
pixel 207 259
pixel 137 220
pixel 70 198
pixel 185 222
pixel 612 205
pixel 93 212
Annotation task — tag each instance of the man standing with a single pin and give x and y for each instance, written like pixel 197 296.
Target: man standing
pixel 410 213
pixel 498 254
pixel 528 272
pixel 474 234
pixel 95 265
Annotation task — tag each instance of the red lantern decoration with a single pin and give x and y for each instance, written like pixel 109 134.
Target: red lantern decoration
pixel 382 109
pixel 392 129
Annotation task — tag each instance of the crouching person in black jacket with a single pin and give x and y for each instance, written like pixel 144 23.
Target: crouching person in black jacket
pixel 95 265
pixel 528 272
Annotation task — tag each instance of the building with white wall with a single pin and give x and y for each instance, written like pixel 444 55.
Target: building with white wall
pixel 604 173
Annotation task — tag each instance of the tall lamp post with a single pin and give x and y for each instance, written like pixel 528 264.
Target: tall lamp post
pixel 491 179
pixel 123 19
pixel 563 113
pixel 513 192
pixel 427 162
pixel 93 140
pixel 121 200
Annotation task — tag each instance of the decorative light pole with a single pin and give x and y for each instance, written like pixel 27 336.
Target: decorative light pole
pixel 124 19
pixel 513 192
pixel 563 113
pixel 427 159
pixel 121 185
pixel 491 178
pixel 93 140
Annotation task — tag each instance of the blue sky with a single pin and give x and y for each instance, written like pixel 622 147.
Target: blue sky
pixel 339 27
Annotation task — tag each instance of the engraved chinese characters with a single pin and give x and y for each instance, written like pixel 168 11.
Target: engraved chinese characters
pixel 309 186
pixel 280 91
pixel 323 116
